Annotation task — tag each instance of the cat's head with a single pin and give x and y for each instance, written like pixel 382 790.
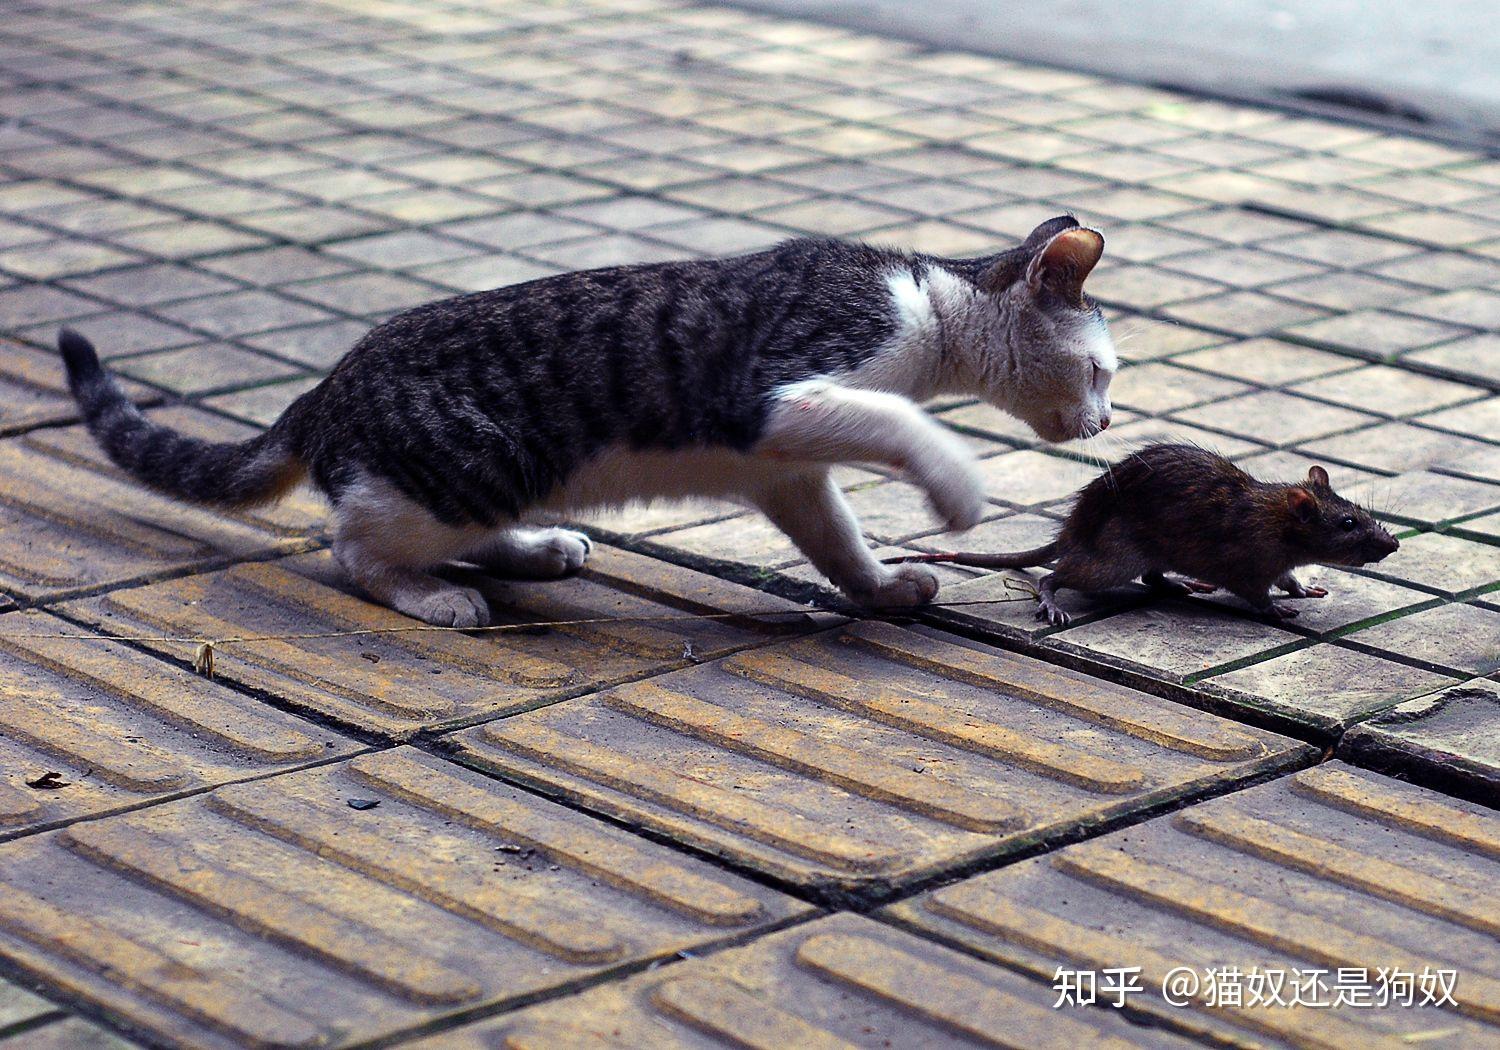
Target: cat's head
pixel 1055 358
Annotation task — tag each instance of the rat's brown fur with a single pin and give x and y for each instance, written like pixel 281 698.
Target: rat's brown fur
pixel 1181 508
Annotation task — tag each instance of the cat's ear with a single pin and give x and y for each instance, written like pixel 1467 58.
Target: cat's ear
pixel 1064 263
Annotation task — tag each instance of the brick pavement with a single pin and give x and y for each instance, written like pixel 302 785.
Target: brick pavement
pixel 224 197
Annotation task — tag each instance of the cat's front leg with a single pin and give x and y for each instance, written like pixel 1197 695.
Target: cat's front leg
pixel 821 421
pixel 809 508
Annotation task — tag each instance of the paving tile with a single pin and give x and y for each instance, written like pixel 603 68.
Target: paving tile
pixel 66 1033
pixel 406 680
pixel 1354 597
pixel 857 761
pixel 1422 497
pixel 1388 391
pixel 1172 640
pixel 241 313
pixel 1461 639
pixel 1268 362
pixel 1162 387
pixel 1291 466
pixel 1476 358
pixel 73 521
pixel 20 1008
pixel 1329 869
pixel 271 266
pixel 1396 447
pixel 842 980
pixel 200 369
pixel 1324 689
pixel 1029 479
pixel 1475 418
pixel 1132 435
pixel 1244 313
pixel 276 914
pixel 34 390
pixel 149 285
pixel 1296 419
pixel 117 728
pixel 1375 334
pixel 1342 290
pixel 1449 565
pixel 1448 740
pixel 261 405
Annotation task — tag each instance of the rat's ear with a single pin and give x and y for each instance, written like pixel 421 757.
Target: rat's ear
pixel 1064 262
pixel 1317 477
pixel 1303 504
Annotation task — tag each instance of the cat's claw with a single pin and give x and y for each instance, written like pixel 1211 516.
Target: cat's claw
pixel 906 586
pixel 449 607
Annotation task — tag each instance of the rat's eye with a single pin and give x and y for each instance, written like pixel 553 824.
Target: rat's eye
pixel 1347 523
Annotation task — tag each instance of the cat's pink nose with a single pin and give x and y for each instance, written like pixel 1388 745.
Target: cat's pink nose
pixel 1104 423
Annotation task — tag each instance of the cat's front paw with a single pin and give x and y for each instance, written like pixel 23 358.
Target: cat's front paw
pixel 903 587
pixel 959 502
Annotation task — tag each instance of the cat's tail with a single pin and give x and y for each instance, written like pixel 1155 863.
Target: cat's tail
pixel 1018 560
pixel 224 474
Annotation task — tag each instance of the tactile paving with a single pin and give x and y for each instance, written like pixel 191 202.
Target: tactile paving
pixel 839 982
pixel 34 390
pixel 88 726
pixel 71 521
pixel 1349 885
pixel 864 758
pixel 1448 739
pixel 641 617
pixel 355 900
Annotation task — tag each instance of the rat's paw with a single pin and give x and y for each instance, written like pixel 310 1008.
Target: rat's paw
pixel 449 607
pixel 1199 587
pixel 905 586
pixel 1050 612
pixel 1281 612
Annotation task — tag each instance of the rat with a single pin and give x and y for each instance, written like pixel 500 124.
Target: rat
pixel 1182 508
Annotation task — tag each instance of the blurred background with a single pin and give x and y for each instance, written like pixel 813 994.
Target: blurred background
pixel 1432 67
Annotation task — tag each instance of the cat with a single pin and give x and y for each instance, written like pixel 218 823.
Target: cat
pixel 450 429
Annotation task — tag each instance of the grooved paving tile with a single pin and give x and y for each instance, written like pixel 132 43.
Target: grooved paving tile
pixel 275 913
pixel 1449 738
pixel 864 758
pixel 117 727
pixel 402 681
pixel 34 390
pixel 69 520
pixel 843 981
pixel 1332 868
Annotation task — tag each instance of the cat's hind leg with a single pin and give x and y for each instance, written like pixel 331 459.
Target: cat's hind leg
pixel 388 544
pixel 532 553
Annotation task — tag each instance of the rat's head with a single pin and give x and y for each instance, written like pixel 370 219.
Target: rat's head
pixel 1332 530
pixel 1056 360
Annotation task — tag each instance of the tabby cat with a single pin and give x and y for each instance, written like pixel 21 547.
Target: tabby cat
pixel 447 431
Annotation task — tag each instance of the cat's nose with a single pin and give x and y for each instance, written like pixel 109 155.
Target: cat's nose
pixel 1103 422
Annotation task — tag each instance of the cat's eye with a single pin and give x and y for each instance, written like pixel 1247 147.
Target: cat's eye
pixel 1097 372
pixel 1347 523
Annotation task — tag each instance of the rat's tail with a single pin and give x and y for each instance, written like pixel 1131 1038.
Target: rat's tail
pixel 225 474
pixel 1018 560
